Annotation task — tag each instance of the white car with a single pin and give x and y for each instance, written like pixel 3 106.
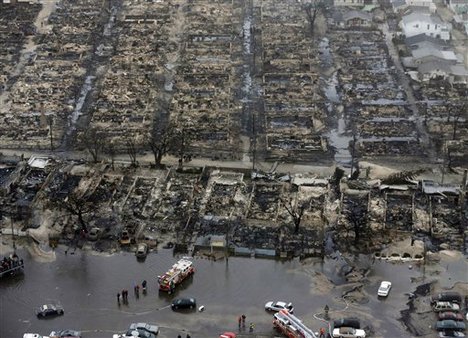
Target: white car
pixel 384 289
pixel 348 332
pixel 451 334
pixel 142 251
pixel 445 306
pixel 154 329
pixel 278 306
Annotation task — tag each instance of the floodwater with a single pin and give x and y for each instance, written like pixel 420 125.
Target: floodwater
pixel 86 285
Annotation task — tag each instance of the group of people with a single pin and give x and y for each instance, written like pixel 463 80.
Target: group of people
pixel 241 321
pixel 10 262
pixel 124 296
pixel 124 293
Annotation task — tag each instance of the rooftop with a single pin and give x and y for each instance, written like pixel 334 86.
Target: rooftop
pixel 421 16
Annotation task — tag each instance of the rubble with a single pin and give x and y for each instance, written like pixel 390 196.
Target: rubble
pixel 42 99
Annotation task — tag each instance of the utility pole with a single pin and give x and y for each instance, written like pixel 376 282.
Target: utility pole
pixel 13 234
pixel 254 138
pixel 353 154
pixel 462 201
pixel 50 120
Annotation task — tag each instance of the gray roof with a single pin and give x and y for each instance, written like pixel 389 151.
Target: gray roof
pixel 440 54
pixel 398 3
pixel 337 16
pixel 431 187
pixel 416 39
pixel 423 17
pixel 357 14
pixel 440 66
pixel 429 45
pixel 459 70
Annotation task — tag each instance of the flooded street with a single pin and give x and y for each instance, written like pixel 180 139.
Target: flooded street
pixel 86 285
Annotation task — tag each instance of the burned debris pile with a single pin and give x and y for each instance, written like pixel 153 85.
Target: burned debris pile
pixel 211 208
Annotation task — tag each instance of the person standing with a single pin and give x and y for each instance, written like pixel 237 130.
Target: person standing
pixel 243 320
pixel 251 327
pixel 322 333
pixel 118 297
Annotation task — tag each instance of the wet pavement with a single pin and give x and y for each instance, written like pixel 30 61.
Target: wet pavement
pixel 86 285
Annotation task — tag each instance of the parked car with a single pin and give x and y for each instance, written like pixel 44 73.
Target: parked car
pixel 135 334
pixel 451 315
pixel 384 289
pixel 228 335
pixel 183 303
pixel 278 306
pixel 453 297
pixel 154 329
pixel 49 310
pixel 347 322
pixel 445 306
pixel 34 335
pixel 93 234
pixel 142 251
pixel 348 332
pixel 65 334
pixel 448 324
pixel 451 334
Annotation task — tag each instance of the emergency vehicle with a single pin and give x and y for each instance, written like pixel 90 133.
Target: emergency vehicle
pixel 176 274
pixel 291 326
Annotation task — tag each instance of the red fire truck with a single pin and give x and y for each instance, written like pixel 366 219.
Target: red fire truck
pixel 291 326
pixel 176 274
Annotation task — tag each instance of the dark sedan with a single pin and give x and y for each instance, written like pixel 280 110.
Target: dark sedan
pixel 183 303
pixel 443 325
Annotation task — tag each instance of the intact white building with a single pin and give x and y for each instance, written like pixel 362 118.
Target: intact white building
pixel 352 3
pixel 425 23
pixel 401 5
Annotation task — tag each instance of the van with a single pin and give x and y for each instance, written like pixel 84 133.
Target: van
pixel 446 306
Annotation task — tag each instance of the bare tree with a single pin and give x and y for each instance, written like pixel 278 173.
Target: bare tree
pixel 77 206
pixel 93 140
pixel 50 121
pixel 181 139
pixel 131 146
pixel 357 217
pixel 160 143
pixel 312 9
pixel 111 151
pixel 296 211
